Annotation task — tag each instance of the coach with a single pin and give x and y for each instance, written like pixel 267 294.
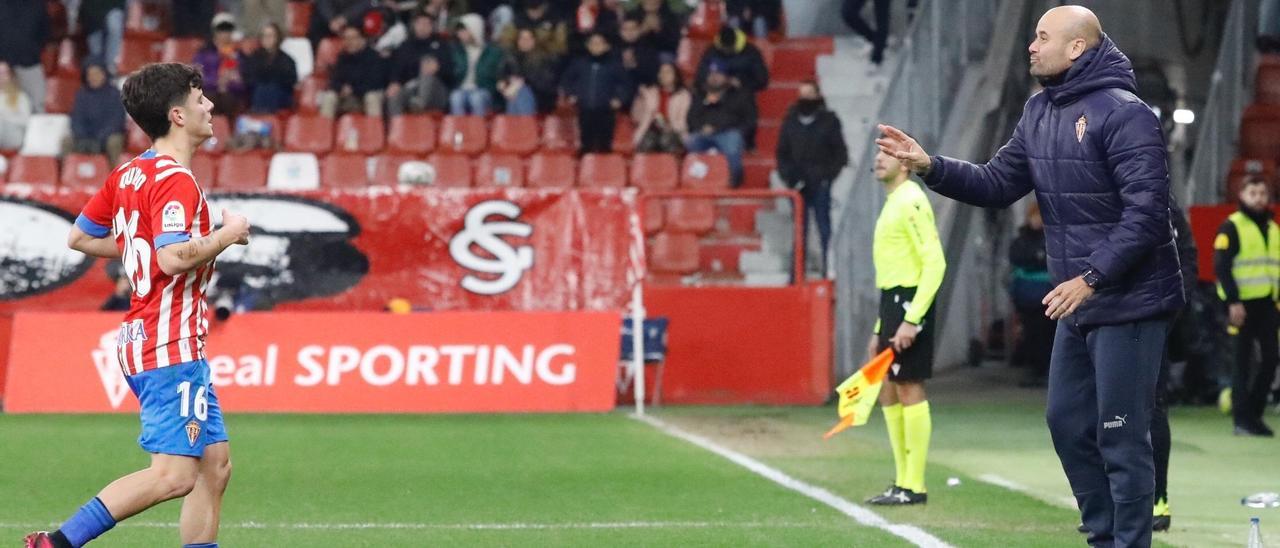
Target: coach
pixel 1095 155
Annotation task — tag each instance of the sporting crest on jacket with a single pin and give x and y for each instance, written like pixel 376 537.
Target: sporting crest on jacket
pixel 1081 124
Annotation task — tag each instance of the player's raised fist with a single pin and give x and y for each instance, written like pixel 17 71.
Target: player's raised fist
pixel 236 225
pixel 895 143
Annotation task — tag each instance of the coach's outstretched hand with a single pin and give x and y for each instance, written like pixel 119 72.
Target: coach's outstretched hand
pixel 895 143
pixel 237 226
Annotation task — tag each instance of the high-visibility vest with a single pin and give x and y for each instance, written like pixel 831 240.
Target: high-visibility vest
pixel 1256 268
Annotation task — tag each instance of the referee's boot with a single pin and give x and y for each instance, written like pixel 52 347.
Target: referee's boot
pixel 1161 518
pixel 900 496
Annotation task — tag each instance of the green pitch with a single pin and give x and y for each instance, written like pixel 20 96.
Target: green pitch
pixel 607 480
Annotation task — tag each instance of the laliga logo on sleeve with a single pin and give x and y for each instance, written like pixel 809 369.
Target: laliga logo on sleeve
pixel 508 263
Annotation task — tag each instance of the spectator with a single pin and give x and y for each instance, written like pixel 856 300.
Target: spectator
pixel 358 79
pixel 661 112
pixel 660 26
pixel 382 27
pixel 191 18
pixel 597 85
pixel 547 25
pixel 102 22
pixel 719 119
pixel 639 57
pixel 424 93
pixel 1029 285
pixel 15 110
pixel 851 12
pixel 758 16
pixel 528 77
pixel 423 40
pixel 270 73
pixel 475 68
pixel 811 152
pixel 97 118
pixel 329 17
pixel 26 31
pixel 742 61
pixel 594 16
pixel 221 65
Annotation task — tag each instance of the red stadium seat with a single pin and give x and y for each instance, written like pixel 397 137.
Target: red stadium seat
pixel 341 170
pixel 674 253
pixel 1260 132
pixel 739 218
pixel 705 171
pixel 67 62
pixel 297 17
pixel 412 134
pixel 452 170
pixel 602 171
pixel 146 20
pixel 624 132
pixel 463 135
pixel 692 215
pixel 84 170
pixel 221 136
pixel 134 53
pixel 652 216
pixel 756 169
pixel 551 170
pixel 385 168
pixel 723 257
pixel 767 136
pixel 327 54
pixel 307 97
pixel 205 170
pixel 689 54
pixel 1267 85
pixel 309 133
pixel 499 170
pixel 654 171
pixel 277 123
pixel 705 20
pixel 136 140
pixel 360 133
pixel 560 134
pixel 774 101
pixel 514 134
pixel 33 169
pixel 242 172
pixel 60 94
pixel 179 50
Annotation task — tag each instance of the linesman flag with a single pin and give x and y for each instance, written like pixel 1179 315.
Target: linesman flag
pixel 858 393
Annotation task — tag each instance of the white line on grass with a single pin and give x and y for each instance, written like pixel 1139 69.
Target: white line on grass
pixel 862 515
pixel 998 481
pixel 462 526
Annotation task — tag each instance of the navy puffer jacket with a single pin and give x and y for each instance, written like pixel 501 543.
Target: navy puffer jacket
pixel 1095 155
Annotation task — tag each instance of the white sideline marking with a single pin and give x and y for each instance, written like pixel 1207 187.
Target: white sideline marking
pixel 458 526
pixel 1066 502
pixel 862 515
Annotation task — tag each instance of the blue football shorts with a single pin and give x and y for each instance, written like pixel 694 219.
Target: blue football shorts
pixel 180 412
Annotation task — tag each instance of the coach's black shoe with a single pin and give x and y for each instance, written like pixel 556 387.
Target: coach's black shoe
pixel 904 497
pixel 1253 431
pixel 1264 429
pixel 1161 517
pixel 888 493
pixel 1082 529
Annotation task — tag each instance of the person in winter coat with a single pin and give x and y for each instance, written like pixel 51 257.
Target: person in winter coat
pixel 1095 155
pixel 598 86
pixel 661 113
pixel 270 74
pixel 719 119
pixel 475 68
pixel 528 76
pixel 741 60
pixel 639 57
pixel 661 27
pixel 811 152
pixel 97 118
pixel 424 93
pixel 423 40
pixel 357 80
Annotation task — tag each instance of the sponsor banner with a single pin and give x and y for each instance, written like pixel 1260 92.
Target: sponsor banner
pixel 439 249
pixel 357 362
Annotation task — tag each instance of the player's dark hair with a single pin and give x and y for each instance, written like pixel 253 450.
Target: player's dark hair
pixel 1253 179
pixel 150 92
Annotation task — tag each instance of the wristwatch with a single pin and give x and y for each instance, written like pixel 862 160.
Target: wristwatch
pixel 1091 278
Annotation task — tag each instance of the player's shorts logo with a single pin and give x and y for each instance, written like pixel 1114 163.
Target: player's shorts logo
pixel 504 261
pixel 34 257
pixel 193 432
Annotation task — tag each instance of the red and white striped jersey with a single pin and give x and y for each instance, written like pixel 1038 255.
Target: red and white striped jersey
pixel 147 203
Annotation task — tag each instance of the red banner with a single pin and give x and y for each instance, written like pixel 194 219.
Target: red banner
pixel 440 249
pixel 339 362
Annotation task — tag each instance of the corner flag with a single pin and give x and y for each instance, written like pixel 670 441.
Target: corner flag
pixel 858 393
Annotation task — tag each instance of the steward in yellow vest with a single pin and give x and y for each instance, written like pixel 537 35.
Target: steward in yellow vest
pixel 1246 260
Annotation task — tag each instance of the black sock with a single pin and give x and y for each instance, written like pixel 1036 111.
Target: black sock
pixel 59 540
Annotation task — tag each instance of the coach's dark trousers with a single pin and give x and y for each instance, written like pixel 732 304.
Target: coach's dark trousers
pixel 1102 382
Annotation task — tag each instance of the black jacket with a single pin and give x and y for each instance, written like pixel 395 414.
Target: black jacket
pixel 539 73
pixel 647 61
pixel 364 71
pixel 26 29
pixel 595 82
pixel 406 59
pixel 668 39
pixel 736 109
pixel 811 153
pixel 271 79
pixel 741 60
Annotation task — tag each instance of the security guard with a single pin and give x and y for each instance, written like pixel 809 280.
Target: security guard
pixel 1246 260
pixel 909 267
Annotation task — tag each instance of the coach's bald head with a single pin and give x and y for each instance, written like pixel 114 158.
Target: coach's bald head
pixel 1063 34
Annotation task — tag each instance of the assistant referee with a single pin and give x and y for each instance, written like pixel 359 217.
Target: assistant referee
pixel 909 267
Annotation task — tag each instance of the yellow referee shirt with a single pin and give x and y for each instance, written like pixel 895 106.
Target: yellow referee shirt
pixel 906 249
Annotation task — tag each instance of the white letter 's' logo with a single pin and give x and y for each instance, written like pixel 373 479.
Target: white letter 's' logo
pixel 508 263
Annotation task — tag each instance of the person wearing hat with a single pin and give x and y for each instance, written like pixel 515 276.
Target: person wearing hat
pixel 220 65
pixel 720 119
pixel 475 68
pixel 741 61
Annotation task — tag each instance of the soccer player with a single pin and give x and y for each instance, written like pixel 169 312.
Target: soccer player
pixel 909 267
pixel 152 215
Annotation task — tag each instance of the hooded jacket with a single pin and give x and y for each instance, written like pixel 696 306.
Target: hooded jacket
pixel 487 65
pixel 1095 155
pixel 97 113
pixel 812 152
pixel 741 59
